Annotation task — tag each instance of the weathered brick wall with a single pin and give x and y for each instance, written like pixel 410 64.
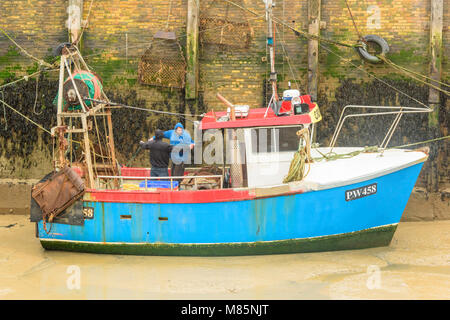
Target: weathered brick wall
pixel 119 32
pixel 36 25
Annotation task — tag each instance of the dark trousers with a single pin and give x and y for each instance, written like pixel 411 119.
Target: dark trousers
pixel 159 172
pixel 177 170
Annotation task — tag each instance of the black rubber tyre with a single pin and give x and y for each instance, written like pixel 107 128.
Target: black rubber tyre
pixel 376 39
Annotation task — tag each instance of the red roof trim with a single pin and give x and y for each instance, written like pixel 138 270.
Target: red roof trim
pixel 255 118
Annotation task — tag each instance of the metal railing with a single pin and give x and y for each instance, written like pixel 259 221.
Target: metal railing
pixel 170 178
pixel 399 111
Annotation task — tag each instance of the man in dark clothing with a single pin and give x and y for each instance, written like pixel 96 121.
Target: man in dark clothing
pixel 159 154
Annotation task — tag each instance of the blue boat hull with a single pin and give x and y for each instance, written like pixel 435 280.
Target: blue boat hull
pixel 321 220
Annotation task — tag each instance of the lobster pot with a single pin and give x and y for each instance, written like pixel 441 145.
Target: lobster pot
pixel 163 64
pixel 225 32
pixel 225 25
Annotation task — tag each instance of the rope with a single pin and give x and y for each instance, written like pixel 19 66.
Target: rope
pixel 184 115
pixel 4 110
pixel 36 98
pixel 84 27
pixel 353 20
pixel 26 77
pixel 301 157
pixel 415 74
pixel 305 34
pixel 178 38
pixel 311 36
pixel 422 142
pixel 288 60
pixel 375 77
pixel 168 15
pixel 21 114
pixel 334 156
pixel 139 149
pixel 40 61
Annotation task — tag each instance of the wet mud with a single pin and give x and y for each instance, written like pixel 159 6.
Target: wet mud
pixel 416 265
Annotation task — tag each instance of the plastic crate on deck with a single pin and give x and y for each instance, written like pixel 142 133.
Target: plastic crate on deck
pixel 159 184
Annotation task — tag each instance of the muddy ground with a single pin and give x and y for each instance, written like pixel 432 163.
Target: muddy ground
pixel 415 266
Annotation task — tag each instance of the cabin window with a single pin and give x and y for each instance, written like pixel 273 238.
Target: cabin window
pixel 274 139
pixel 288 138
pixel 263 140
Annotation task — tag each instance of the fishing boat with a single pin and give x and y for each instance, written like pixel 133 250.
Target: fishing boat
pixel 267 194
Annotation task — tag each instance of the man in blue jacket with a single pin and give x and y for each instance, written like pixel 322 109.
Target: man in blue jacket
pixel 182 143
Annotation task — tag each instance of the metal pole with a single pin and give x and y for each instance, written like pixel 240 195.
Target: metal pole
pixel 271 44
pixel 60 90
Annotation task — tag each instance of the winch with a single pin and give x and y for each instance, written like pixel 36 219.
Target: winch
pixel 88 85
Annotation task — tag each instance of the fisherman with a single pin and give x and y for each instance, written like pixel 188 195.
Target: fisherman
pixel 182 142
pixel 159 154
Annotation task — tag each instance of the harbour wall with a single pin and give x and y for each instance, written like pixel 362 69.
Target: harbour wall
pixel 232 61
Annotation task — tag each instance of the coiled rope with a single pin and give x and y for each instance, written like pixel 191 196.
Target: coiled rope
pixel 301 158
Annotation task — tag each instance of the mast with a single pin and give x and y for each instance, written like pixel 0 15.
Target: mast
pixel 76 118
pixel 271 44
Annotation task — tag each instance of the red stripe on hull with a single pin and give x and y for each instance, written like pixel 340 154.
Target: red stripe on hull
pixel 202 196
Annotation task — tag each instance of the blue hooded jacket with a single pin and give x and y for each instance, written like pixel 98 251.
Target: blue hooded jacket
pixel 184 140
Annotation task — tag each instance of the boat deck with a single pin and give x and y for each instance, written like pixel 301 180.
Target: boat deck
pixel 322 174
pixel 364 166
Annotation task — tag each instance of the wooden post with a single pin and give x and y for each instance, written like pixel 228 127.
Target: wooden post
pixel 271 45
pixel 60 90
pixel 87 152
pixel 191 80
pixel 313 46
pixel 191 86
pixel 75 12
pixel 313 53
pixel 436 18
pixel 111 141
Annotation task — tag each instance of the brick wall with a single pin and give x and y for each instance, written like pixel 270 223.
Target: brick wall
pixel 120 31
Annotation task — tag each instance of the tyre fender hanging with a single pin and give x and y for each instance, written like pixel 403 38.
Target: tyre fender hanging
pixel 362 50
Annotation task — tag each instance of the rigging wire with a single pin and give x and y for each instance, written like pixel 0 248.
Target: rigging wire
pixel 353 20
pixel 375 77
pixel 24 116
pixel 36 97
pixel 4 110
pixel 311 36
pixel 295 78
pixel 40 61
pixel 180 37
pixel 84 27
pixel 416 75
pixel 184 115
pixel 26 77
pixel 305 34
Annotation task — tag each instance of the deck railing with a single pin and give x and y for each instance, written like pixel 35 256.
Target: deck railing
pixel 170 178
pixel 398 111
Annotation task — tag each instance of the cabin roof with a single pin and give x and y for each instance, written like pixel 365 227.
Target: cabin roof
pixel 255 118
